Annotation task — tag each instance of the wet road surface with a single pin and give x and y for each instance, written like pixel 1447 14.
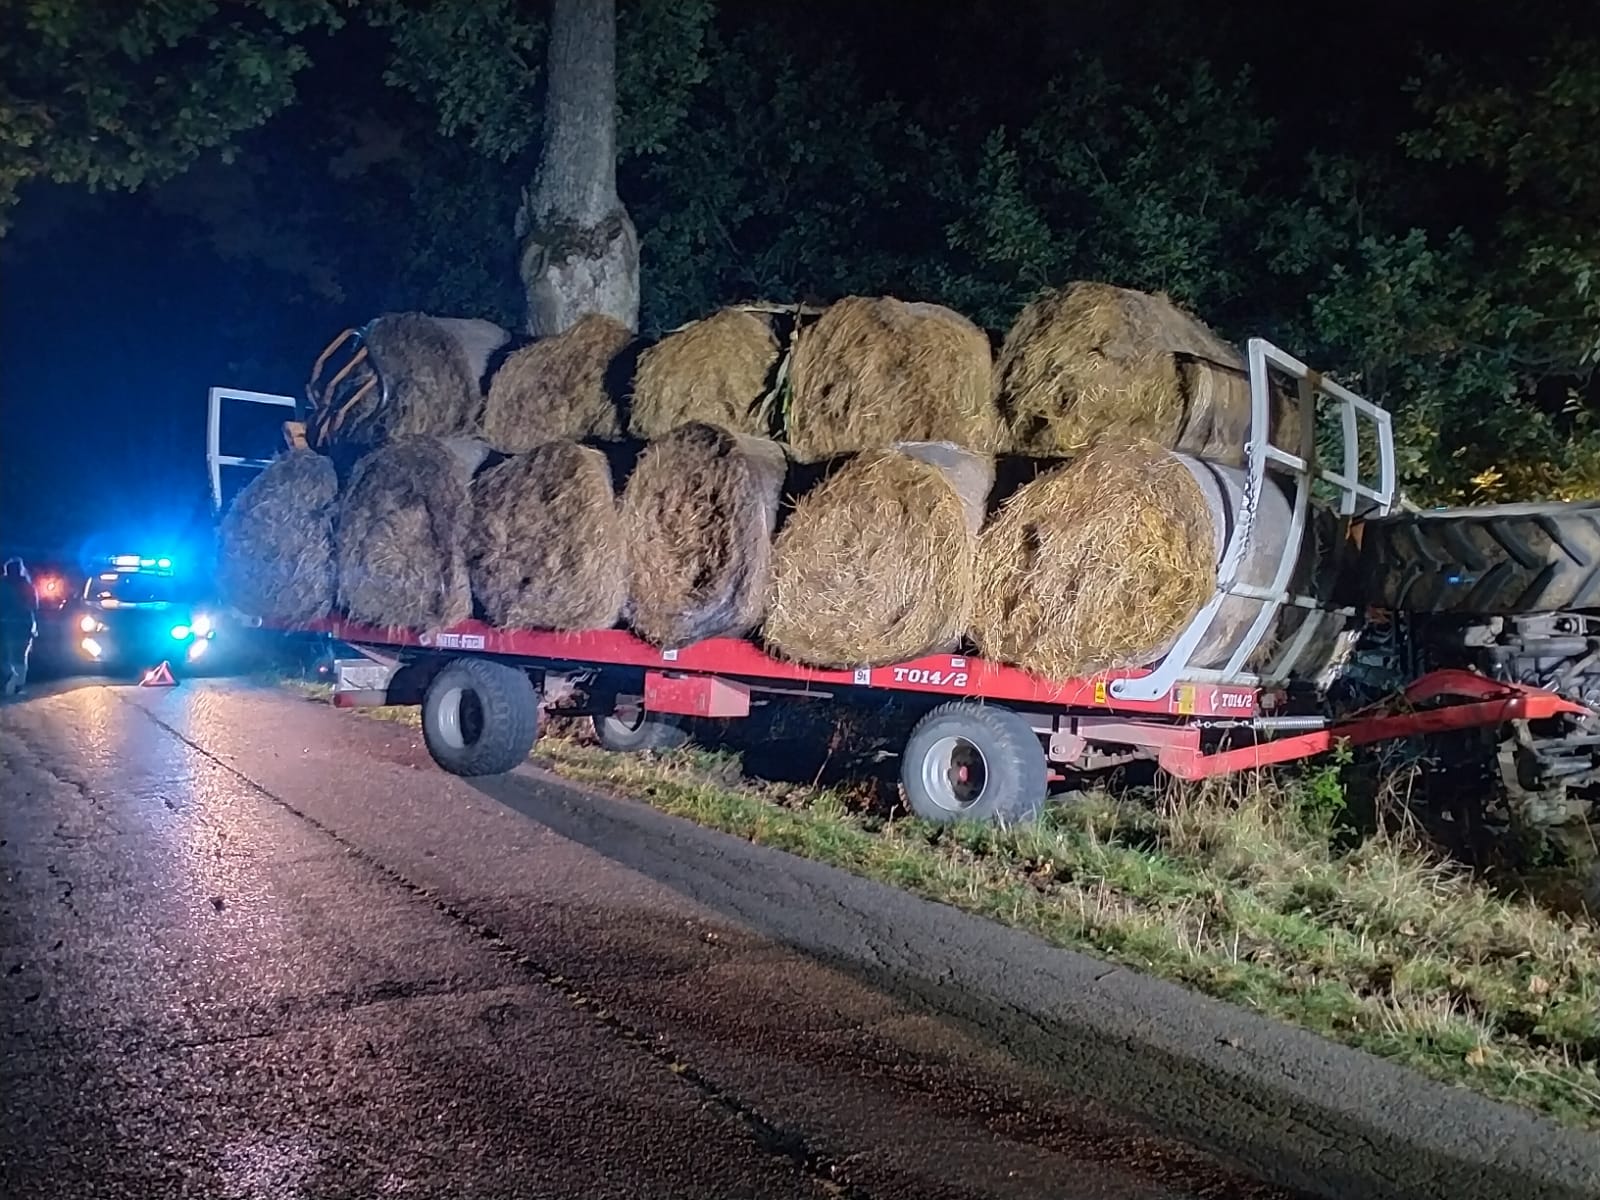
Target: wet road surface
pixel 253 947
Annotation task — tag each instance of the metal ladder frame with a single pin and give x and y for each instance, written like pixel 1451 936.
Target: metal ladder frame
pixel 215 459
pixel 1356 498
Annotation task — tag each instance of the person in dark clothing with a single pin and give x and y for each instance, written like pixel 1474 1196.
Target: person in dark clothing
pixel 18 605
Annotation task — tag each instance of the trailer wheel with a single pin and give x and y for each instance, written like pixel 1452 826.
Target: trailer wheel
pixel 480 717
pixel 631 730
pixel 1501 558
pixel 974 762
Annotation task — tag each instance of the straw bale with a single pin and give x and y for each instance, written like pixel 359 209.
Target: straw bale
pixel 875 566
pixel 277 541
pixel 717 370
pixel 401 539
pixel 1096 564
pixel 545 546
pixel 872 372
pixel 699 511
pixel 479 342
pixel 429 379
pixel 566 386
pixel 1092 361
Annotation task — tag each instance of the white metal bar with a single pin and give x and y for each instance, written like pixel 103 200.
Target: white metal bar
pixel 1267 610
pixel 1284 661
pixel 233 460
pixel 1352 460
pixel 254 397
pixel 1293 461
pixel 215 459
pixel 213 444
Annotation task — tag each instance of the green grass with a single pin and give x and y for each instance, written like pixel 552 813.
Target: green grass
pixel 1239 892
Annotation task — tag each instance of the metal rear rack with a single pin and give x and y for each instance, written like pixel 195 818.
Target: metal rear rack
pixel 1358 496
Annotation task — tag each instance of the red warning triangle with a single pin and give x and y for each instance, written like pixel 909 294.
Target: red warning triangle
pixel 160 677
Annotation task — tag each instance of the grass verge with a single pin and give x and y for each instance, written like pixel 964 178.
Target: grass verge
pixel 1242 892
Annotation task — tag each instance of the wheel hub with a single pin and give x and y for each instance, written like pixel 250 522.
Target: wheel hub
pixel 955 774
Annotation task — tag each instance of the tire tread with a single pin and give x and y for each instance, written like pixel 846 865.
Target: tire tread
pixel 1016 757
pixel 510 717
pixel 1493 560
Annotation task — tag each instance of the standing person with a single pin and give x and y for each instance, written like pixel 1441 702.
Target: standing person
pixel 18 604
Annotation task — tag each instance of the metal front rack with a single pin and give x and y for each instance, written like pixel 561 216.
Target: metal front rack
pixel 1359 495
pixel 215 459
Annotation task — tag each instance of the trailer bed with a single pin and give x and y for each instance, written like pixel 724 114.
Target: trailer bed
pixel 955 676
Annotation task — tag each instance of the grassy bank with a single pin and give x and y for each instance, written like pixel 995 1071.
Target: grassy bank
pixel 1237 891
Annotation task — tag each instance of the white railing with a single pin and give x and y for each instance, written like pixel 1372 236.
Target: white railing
pixel 215 459
pixel 1357 497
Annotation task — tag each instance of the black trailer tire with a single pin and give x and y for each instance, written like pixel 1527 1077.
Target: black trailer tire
pixel 480 717
pixel 631 730
pixel 1499 559
pixel 974 762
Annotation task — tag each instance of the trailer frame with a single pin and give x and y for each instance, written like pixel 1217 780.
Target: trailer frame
pixel 1200 730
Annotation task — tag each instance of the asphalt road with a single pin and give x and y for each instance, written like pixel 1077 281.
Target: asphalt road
pixel 253 947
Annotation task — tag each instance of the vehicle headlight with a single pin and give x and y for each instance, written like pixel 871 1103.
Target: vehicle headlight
pixel 87 624
pixel 180 632
pixel 201 625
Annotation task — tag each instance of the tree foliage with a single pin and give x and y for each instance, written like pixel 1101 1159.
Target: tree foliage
pixel 122 96
pixel 1423 229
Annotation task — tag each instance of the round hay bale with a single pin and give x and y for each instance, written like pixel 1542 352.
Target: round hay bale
pixel 1094 565
pixel 277 541
pixel 402 531
pixel 1100 564
pixel 564 386
pixel 716 370
pixel 699 511
pixel 429 380
pixel 875 566
pixel 545 545
pixel 1092 361
pixel 872 372
pixel 479 342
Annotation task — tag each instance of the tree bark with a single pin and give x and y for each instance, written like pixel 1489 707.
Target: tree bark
pixel 580 252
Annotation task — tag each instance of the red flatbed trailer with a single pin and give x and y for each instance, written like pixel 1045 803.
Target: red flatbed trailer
pixel 1212 704
pixel 1077 723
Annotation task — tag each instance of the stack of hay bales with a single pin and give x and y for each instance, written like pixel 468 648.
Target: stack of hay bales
pixel 699 513
pixel 872 372
pixel 422 376
pixel 546 548
pixel 875 565
pixel 718 370
pixel 276 559
pixel 895 414
pixel 402 534
pixel 565 386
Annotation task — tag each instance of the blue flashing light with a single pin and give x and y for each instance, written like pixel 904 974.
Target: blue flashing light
pixel 181 633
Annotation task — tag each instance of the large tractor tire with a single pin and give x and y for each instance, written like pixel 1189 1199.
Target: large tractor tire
pixel 1499 559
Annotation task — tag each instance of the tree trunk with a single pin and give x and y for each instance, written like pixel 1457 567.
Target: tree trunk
pixel 580 252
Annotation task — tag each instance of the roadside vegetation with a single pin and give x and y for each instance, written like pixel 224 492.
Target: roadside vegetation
pixel 1257 893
